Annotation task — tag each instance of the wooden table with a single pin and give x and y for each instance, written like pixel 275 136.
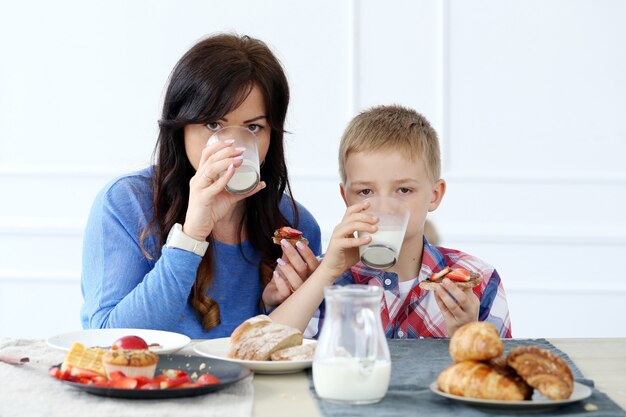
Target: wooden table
pixel 602 360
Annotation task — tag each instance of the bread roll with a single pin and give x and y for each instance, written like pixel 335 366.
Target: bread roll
pixel 543 370
pixel 475 379
pixel 251 323
pixel 478 341
pixel 260 342
pixel 295 353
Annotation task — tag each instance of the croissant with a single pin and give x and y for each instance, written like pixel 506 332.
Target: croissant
pixel 475 379
pixel 478 341
pixel 544 370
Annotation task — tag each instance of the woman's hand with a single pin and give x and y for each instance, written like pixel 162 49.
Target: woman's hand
pixel 295 266
pixel 458 306
pixel 208 199
pixel 343 249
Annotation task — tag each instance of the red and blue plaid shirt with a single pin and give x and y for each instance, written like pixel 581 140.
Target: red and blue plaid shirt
pixel 418 315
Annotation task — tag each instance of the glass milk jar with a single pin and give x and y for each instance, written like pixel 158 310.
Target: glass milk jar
pixel 352 363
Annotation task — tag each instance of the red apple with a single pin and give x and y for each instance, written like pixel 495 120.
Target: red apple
pixel 130 342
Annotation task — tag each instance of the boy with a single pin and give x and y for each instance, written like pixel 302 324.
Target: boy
pixel 389 151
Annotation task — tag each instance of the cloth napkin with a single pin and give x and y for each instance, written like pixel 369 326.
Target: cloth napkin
pixel 27 390
pixel 416 363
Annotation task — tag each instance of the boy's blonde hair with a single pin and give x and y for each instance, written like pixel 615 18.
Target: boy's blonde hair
pixel 396 128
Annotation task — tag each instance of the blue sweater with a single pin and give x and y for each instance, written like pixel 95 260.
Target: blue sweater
pixel 122 288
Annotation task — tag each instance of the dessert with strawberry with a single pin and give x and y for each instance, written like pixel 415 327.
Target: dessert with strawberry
pixel 460 276
pixel 288 233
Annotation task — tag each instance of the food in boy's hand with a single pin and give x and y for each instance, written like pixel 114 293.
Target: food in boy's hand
pixel 498 377
pixel 478 340
pixel 130 342
pixel 83 362
pixel 131 362
pixel 475 379
pixel 460 276
pixel 543 370
pixel 258 338
pixel 287 233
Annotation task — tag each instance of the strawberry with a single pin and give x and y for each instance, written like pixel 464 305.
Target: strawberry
pixel 438 275
pixel 207 379
pixel 124 383
pixel 176 382
pixel 459 275
pixel 288 232
pixel 113 376
pixel 174 373
pixel 142 380
pixel 55 372
pixel 151 385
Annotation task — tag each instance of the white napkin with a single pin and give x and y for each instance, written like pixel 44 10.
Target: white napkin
pixel 27 390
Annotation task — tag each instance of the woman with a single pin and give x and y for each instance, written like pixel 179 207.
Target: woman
pixel 145 259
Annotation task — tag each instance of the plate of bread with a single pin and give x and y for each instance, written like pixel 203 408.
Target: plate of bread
pixel 263 347
pixel 527 378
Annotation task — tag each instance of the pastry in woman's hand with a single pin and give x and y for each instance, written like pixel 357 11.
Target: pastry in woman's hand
pixel 290 234
pixel 478 341
pixel 543 370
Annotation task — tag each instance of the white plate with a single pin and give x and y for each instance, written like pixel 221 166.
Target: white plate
pixel 169 342
pixel 537 403
pixel 217 348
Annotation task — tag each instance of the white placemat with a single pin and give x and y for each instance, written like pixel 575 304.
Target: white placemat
pixel 27 390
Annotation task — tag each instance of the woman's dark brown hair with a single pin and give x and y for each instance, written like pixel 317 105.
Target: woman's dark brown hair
pixel 213 78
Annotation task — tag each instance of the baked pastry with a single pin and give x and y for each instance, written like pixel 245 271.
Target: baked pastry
pixel 131 362
pixel 478 340
pixel 543 370
pixel 251 323
pixel 475 379
pixel 290 234
pixel 82 361
pixel 461 277
pixel 500 366
pixel 295 353
pixel 258 337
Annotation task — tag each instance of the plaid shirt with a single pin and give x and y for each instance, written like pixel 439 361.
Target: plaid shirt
pixel 419 315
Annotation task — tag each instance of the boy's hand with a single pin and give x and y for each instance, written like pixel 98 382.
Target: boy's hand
pixel 458 306
pixel 292 270
pixel 343 249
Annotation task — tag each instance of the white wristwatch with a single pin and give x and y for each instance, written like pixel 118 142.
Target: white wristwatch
pixel 178 239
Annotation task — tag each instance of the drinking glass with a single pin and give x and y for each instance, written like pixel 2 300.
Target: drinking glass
pixel 248 174
pixel 383 250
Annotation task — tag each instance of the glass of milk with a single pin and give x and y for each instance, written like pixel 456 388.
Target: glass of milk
pixel 384 249
pixel 247 176
pixel 352 363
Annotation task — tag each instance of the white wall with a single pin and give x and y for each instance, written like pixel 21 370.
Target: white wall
pixel 528 98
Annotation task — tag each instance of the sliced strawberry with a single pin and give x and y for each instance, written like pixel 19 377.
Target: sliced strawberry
pixel 438 275
pixel 173 373
pixel 289 232
pixel 459 275
pixel 55 372
pixel 173 383
pixel 151 385
pixel 124 383
pixel 100 381
pixel 113 376
pixel 207 379
pixel 142 380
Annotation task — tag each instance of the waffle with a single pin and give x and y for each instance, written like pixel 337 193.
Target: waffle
pixel 81 360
